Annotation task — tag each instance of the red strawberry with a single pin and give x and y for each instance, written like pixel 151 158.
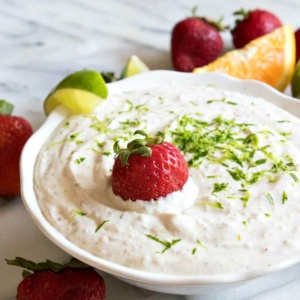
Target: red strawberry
pixel 253 24
pixel 195 42
pixel 14 132
pixel 53 281
pixel 148 169
pixel 297 37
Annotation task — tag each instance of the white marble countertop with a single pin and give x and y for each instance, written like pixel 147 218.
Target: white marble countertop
pixel 44 40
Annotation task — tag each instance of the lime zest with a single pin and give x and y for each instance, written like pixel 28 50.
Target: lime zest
pixel 284 197
pixel 75 213
pixel 167 244
pixel 101 225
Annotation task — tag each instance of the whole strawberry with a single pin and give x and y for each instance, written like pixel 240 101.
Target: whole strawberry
pixel 251 25
pixel 148 169
pixel 195 42
pixel 297 37
pixel 14 132
pixel 53 281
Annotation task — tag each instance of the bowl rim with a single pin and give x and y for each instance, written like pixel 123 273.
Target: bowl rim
pixel 149 79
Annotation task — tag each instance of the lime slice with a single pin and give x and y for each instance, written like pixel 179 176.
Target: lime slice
pixel 134 66
pixel 81 92
pixel 295 83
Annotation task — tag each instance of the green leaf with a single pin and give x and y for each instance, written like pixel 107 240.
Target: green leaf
pixel 138 146
pixel 76 264
pixel 42 266
pixel 109 77
pixel 55 267
pixel 26 273
pixel 32 266
pixel 28 264
pixel 6 108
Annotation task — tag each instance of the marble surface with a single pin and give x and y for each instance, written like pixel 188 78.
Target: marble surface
pixel 44 40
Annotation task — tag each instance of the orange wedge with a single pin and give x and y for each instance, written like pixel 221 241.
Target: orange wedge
pixel 270 58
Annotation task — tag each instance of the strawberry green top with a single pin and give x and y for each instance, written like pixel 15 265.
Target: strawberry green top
pixel 241 199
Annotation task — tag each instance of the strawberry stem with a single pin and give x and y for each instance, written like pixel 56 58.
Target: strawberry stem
pixel 194 11
pixel 137 146
pixel 6 108
pixel 31 266
pixel 243 13
pixel 216 24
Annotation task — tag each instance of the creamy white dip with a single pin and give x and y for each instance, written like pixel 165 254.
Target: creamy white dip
pixel 239 210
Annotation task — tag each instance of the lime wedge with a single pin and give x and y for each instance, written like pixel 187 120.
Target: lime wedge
pixel 81 92
pixel 295 83
pixel 134 66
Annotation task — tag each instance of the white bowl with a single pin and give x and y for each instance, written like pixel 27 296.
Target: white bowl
pixel 156 282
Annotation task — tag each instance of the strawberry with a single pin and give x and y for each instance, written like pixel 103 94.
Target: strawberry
pixel 195 42
pixel 14 132
pixel 52 281
pixel 148 169
pixel 297 37
pixel 253 24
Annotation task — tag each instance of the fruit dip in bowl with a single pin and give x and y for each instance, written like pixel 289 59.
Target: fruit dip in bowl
pixel 236 217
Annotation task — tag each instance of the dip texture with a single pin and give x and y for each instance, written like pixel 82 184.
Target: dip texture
pixel 239 210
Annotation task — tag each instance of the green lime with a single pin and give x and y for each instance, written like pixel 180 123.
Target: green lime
pixel 81 92
pixel 295 83
pixel 134 66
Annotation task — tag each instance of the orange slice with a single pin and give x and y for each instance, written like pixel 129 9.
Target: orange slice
pixel 270 58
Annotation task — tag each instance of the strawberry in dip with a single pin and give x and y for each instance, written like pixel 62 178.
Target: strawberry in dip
pixel 235 203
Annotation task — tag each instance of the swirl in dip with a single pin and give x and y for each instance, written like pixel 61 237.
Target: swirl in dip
pixel 238 211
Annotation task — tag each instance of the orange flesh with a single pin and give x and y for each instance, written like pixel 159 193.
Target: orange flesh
pixel 270 58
